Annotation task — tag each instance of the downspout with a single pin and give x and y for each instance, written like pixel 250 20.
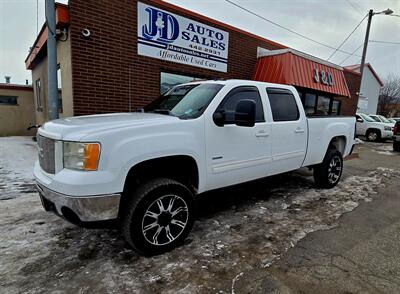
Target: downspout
pixel 52 92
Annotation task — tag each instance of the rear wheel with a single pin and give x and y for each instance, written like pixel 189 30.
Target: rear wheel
pixel 373 135
pixel 328 173
pixel 159 216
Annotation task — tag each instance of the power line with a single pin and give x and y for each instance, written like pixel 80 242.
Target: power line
pixel 344 41
pixel 385 42
pixel 352 54
pixel 354 7
pixel 287 29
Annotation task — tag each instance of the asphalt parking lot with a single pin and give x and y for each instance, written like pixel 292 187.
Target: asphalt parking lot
pixel 276 235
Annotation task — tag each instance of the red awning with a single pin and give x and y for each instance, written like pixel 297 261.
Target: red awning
pixel 298 69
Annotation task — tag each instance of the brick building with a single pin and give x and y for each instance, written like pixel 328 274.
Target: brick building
pixel 116 56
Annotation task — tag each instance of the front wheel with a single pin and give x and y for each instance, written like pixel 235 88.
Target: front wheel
pixel 373 136
pixel 159 216
pixel 327 174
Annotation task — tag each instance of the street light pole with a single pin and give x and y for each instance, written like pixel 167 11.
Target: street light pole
pixel 364 54
pixel 371 13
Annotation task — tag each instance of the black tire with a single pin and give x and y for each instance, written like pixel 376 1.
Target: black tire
pixel 373 135
pixel 143 217
pixel 327 174
pixel 396 146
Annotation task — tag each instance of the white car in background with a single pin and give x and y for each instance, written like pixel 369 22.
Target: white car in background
pixel 371 129
pixel 381 119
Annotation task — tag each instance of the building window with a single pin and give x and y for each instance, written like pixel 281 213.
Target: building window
pixel 38 90
pixel 169 80
pixel 59 83
pixel 336 107
pixel 283 105
pixel 309 103
pixel 8 100
pixel 323 105
pixel 319 105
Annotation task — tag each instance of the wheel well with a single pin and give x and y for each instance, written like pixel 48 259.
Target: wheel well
pixel 372 129
pixel 181 168
pixel 338 143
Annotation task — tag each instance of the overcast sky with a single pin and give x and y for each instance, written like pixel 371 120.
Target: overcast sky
pixel 327 21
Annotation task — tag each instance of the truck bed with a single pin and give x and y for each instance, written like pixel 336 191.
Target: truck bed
pixel 322 128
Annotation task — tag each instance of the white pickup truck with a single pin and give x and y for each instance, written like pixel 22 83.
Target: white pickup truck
pixel 144 169
pixel 372 129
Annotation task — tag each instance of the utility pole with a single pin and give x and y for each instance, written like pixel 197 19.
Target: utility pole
pixel 364 54
pixel 52 92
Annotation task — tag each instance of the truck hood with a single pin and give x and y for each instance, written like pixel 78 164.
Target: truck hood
pixel 76 128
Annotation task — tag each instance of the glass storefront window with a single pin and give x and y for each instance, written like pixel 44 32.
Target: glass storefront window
pixel 335 107
pixel 309 103
pixel 319 105
pixel 169 80
pixel 323 105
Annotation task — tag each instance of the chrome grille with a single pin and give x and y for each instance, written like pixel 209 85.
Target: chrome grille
pixel 46 150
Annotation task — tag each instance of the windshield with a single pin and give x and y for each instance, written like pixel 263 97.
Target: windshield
pixel 186 101
pixel 375 118
pixel 384 119
pixel 366 118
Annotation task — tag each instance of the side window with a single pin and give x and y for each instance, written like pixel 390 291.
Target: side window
pixel 8 100
pixel 283 105
pixel 231 100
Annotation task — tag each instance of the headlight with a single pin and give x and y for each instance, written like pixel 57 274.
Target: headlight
pixel 82 156
pixel 387 128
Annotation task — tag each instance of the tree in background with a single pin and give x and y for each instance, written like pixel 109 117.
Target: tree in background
pixel 389 97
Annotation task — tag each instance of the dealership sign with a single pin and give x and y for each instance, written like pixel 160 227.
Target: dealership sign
pixel 171 37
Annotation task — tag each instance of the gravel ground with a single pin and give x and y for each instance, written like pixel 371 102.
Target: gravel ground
pixel 239 233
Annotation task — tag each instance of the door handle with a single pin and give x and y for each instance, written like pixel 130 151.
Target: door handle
pixel 262 134
pixel 299 130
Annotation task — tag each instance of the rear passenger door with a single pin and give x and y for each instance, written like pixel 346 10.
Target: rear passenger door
pixel 234 153
pixel 288 130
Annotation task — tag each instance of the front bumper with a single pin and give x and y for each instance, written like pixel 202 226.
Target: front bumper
pixel 387 135
pixel 80 208
pixel 396 138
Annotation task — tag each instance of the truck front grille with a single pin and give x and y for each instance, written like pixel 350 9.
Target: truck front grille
pixel 46 152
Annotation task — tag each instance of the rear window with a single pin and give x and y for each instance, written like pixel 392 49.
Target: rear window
pixel 283 105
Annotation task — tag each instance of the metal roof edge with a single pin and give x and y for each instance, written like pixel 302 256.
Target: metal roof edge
pixel 299 53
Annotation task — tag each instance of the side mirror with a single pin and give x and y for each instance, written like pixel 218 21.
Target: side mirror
pixel 245 115
pixel 360 120
pixel 219 118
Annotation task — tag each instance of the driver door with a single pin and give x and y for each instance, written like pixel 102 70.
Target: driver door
pixel 237 154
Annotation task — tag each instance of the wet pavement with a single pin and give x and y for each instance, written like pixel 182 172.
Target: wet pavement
pixel 247 239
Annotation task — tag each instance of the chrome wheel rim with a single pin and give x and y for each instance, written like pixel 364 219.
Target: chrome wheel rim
pixel 165 220
pixel 372 136
pixel 334 169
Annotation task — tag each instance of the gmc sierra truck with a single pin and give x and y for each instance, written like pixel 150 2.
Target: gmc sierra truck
pixel 144 169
